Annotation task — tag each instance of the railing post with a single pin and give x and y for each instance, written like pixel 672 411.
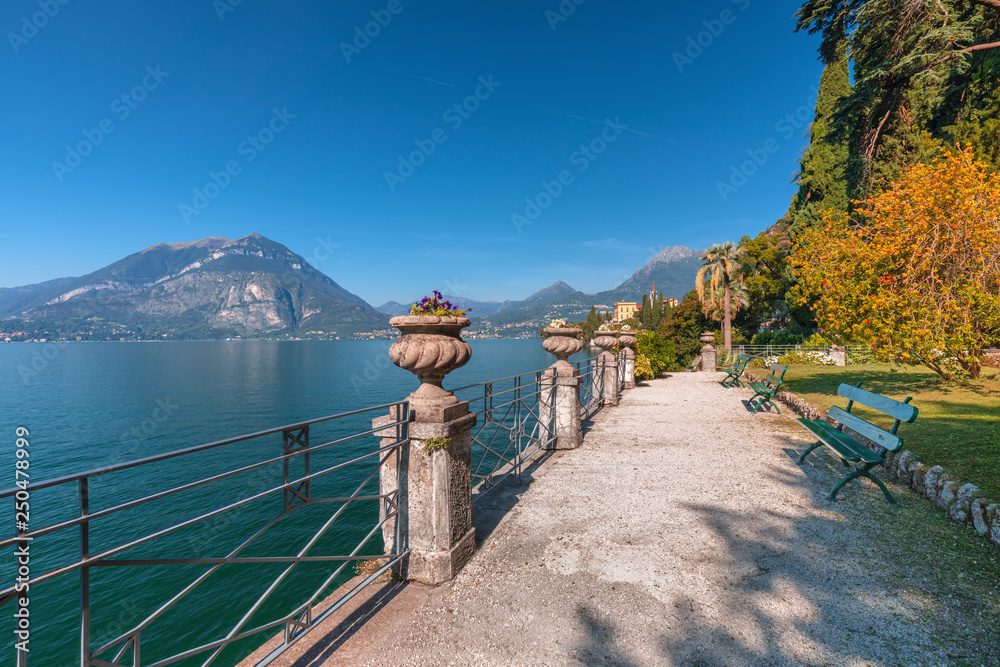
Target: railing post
pixel 608 366
pixel 559 395
pixel 393 481
pixel 85 576
pixel 708 352
pixel 627 341
pixel 439 472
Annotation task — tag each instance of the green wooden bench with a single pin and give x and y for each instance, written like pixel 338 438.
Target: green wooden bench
pixel 734 374
pixel 849 450
pixel 767 388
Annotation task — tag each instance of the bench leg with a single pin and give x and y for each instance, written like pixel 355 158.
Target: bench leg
pixel 809 451
pixel 885 491
pixel 765 400
pixel 862 472
pixel 839 485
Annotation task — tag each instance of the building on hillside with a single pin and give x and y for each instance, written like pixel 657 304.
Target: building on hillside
pixel 626 309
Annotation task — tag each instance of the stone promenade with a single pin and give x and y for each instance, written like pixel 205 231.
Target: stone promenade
pixel 684 533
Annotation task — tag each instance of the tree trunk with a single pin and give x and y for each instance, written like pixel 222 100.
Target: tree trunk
pixel 727 327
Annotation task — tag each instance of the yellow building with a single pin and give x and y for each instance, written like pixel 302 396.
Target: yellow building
pixel 625 310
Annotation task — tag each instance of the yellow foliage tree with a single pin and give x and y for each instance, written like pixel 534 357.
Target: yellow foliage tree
pixel 916 274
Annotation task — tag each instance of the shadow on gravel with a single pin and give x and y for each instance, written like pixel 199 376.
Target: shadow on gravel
pixel 489 507
pixel 855 579
pixel 600 647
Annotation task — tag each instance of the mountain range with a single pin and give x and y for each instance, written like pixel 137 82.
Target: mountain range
pixel 257 288
pixel 212 288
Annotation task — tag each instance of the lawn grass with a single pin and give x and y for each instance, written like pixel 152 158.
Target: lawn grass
pixel 959 422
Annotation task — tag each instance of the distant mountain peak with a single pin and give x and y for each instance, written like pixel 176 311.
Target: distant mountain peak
pixel 555 291
pixel 212 242
pixel 672 254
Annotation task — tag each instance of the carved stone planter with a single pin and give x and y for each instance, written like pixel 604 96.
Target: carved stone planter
pixel 559 402
pixel 708 357
pixel 430 348
pixel 437 516
pixel 563 343
pixel 608 365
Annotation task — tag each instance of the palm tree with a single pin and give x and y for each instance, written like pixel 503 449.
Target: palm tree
pixel 724 266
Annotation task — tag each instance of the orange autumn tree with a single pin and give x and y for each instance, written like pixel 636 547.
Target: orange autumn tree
pixel 916 273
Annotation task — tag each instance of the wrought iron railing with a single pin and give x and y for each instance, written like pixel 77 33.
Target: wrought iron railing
pixel 509 431
pixel 178 532
pixel 620 358
pixel 591 386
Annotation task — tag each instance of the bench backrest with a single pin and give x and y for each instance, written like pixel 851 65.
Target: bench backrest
pixel 776 376
pixel 741 361
pixel 899 411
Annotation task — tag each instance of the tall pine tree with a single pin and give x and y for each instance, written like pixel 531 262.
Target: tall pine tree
pixel 822 177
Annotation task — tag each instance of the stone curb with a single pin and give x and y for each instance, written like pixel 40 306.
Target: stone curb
pixel 963 503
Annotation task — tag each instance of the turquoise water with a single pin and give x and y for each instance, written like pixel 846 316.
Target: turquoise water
pixel 88 405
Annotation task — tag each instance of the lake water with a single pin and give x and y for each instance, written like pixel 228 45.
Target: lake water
pixel 88 405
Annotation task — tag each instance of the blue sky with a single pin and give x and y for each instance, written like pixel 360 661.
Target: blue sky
pixel 231 117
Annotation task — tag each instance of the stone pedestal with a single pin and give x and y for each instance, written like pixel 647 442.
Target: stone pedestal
pixel 708 359
pixel 607 365
pixel 560 405
pixel 839 354
pixel 559 401
pixel 436 484
pixel 435 500
pixel 439 501
pixel 628 342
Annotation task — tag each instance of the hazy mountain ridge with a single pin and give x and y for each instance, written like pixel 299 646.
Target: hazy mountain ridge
pixel 255 287
pixel 673 270
pixel 209 288
pixel 476 309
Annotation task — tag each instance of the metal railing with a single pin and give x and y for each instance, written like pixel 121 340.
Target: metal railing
pixel 108 525
pixel 176 533
pixel 509 431
pixel 591 386
pixel 620 358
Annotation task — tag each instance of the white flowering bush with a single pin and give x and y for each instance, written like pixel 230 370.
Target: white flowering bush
pixel 811 357
pixel 559 324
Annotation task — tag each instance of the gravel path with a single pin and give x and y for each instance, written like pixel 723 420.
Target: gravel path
pixel 684 533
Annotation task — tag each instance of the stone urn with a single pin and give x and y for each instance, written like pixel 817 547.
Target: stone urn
pixel 708 356
pixel 562 342
pixel 430 347
pixel 627 340
pixel 606 340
